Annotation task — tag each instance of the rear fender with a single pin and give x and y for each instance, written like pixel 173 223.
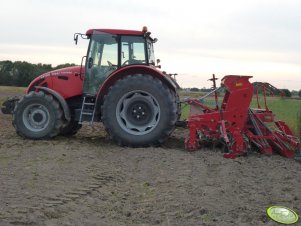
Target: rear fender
pixel 60 99
pixel 132 70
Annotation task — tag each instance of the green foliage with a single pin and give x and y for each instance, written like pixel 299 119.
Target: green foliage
pixel 63 66
pixel 294 93
pixel 21 73
pixel 299 93
pixel 194 89
pixel 286 92
pixel 285 109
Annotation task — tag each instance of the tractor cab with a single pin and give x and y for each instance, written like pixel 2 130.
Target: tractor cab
pixel 110 50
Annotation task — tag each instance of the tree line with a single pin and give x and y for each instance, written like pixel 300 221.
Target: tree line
pixel 21 73
pixel 282 92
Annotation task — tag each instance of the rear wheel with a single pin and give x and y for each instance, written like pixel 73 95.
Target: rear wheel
pixel 37 115
pixel 139 110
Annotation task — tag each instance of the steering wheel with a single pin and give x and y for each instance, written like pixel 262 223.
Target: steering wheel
pixel 110 64
pixel 125 62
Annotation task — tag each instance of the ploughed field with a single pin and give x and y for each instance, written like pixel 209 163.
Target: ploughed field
pixel 89 180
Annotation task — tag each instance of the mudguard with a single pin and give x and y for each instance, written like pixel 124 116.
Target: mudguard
pixel 61 100
pixel 132 70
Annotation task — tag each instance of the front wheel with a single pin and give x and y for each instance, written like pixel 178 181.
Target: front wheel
pixel 139 110
pixel 37 115
pixel 70 129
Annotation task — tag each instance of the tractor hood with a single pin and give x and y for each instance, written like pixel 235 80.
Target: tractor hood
pixel 66 71
pixel 46 79
pixel 63 72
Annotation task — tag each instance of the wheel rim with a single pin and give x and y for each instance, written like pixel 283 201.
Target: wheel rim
pixel 138 112
pixel 36 117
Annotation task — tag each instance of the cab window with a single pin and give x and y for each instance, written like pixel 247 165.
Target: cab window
pixel 132 50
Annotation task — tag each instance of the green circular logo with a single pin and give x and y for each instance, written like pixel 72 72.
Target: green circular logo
pixel 282 214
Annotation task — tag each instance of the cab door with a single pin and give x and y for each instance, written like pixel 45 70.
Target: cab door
pixel 102 60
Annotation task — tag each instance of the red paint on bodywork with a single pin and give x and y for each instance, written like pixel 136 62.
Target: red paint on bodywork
pixel 72 85
pixel 236 119
pixel 40 81
pixel 65 81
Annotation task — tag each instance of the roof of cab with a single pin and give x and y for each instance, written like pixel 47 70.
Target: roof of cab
pixel 115 32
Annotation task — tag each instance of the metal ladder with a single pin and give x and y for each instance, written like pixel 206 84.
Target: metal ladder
pixel 88 109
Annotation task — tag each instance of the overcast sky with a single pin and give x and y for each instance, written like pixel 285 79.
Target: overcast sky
pixel 197 38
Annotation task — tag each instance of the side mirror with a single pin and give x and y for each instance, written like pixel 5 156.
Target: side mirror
pixel 75 38
pixel 155 40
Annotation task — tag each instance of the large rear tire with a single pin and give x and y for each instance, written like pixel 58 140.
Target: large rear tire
pixel 37 116
pixel 139 110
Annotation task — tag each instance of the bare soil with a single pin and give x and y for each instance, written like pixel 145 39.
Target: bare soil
pixel 89 180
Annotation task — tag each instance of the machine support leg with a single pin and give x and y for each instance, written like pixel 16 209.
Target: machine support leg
pixel 191 143
pixel 238 147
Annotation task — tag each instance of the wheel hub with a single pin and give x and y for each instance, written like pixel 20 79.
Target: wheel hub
pixel 36 117
pixel 138 112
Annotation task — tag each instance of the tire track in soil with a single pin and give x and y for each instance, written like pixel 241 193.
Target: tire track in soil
pixel 164 186
pixel 50 206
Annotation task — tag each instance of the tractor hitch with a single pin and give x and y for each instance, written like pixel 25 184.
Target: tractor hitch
pixel 8 106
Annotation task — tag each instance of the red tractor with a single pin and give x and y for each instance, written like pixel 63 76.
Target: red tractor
pixel 119 86
pixel 138 104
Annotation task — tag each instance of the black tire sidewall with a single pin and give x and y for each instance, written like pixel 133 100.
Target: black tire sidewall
pixel 71 128
pixel 18 116
pixel 154 87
